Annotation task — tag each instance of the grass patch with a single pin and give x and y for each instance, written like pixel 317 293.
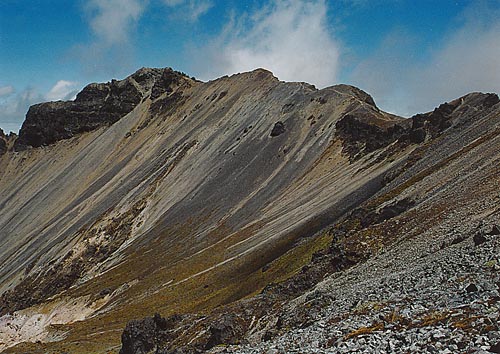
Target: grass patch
pixel 157 264
pixel 365 330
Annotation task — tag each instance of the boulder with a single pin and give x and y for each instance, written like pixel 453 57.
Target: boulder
pixel 142 336
pixel 479 239
pixel 278 129
pixel 226 330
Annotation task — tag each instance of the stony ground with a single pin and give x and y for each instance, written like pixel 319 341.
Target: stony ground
pixel 447 301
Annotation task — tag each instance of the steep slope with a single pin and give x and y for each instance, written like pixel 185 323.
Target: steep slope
pixel 431 280
pixel 158 193
pixel 414 263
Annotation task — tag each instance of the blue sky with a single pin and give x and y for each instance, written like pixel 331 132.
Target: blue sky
pixel 409 55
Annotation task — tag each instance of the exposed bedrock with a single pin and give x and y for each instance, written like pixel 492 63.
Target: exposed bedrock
pixel 97 105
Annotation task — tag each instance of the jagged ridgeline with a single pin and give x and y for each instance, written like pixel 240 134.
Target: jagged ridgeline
pixel 217 205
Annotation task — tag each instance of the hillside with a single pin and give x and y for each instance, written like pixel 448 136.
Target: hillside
pixel 243 210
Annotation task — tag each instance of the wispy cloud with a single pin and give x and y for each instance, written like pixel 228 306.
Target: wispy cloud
pixel 191 9
pixel 6 90
pixel 467 60
pixel 62 90
pixel 289 37
pixel 113 20
pixel 112 23
pixel 13 108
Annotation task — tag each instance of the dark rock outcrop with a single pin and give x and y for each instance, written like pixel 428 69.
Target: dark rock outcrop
pixel 392 210
pixel 225 331
pixel 364 131
pixel 3 143
pixel 441 118
pixel 139 336
pixel 495 348
pixel 95 106
pixel 6 141
pixel 479 239
pixel 278 129
pixel 368 216
pixel 433 123
pixel 495 230
pixel 142 336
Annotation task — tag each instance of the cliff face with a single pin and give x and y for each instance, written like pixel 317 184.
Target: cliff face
pixel 97 105
pixel 3 142
pixel 6 141
pixel 159 193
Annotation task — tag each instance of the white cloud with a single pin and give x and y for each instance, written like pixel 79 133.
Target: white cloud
pixel 289 37
pixel 467 60
pixel 62 90
pixel 470 61
pixel 112 20
pixel 6 90
pixel 13 109
pixel 113 24
pixel 193 8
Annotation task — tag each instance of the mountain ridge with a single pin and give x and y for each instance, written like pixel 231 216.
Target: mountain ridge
pixel 200 185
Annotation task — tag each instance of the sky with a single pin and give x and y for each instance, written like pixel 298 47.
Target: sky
pixel 409 55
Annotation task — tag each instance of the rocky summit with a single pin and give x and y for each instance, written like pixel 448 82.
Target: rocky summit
pixel 161 214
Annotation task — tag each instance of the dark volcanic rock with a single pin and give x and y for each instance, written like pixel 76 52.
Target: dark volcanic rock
pixel 479 239
pixel 490 99
pixel 95 106
pixel 363 131
pixel 142 336
pixel 417 135
pixel 158 333
pixel 165 83
pixel 139 336
pixel 495 230
pixel 442 118
pixel 366 217
pixel 392 210
pixel 471 288
pixel 225 331
pixel 278 129
pixel 433 123
pixel 495 348
pixel 6 141
pixel 3 143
